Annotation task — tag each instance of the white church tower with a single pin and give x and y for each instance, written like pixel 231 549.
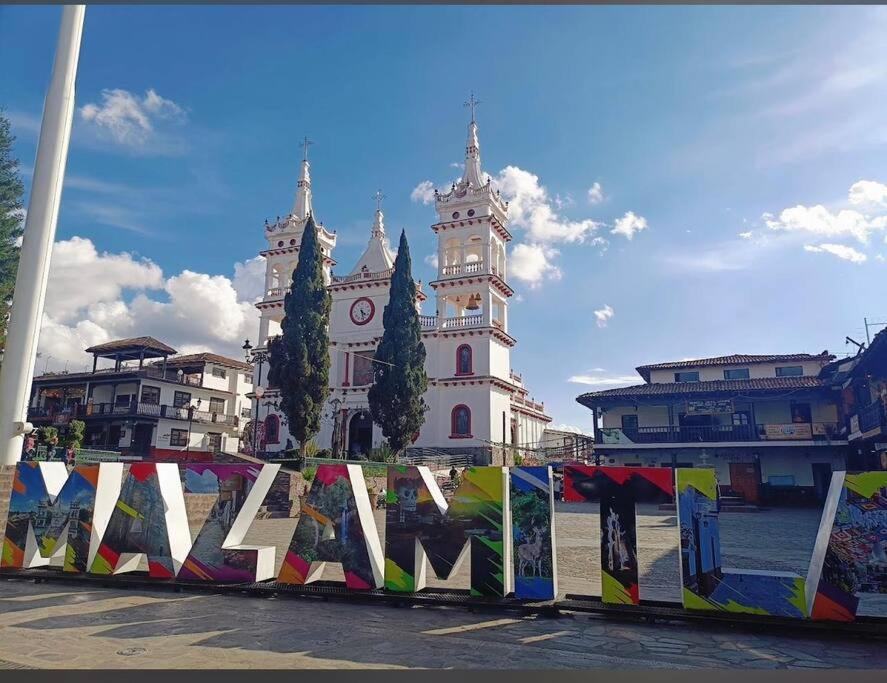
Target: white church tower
pixel 284 237
pixel 476 403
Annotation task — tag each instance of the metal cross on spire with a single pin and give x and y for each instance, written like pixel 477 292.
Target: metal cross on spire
pixel 472 103
pixel 305 143
pixel 378 197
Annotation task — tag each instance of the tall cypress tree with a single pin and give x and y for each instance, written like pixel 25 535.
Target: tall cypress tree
pixel 299 361
pixel 399 378
pixel 11 229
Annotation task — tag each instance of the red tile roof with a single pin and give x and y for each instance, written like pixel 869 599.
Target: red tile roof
pixel 734 359
pixel 132 344
pixel 760 385
pixel 203 358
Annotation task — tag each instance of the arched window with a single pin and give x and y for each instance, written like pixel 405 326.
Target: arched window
pixel 272 429
pixel 464 360
pixel 460 422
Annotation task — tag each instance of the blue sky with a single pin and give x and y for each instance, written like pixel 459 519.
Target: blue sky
pixel 733 134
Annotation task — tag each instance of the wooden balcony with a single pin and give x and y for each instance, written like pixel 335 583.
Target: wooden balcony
pixel 57 415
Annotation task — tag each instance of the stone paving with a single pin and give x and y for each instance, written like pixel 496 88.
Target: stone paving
pixel 778 540
pixel 64 626
pixel 82 627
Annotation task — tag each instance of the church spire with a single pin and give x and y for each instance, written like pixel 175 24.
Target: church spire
pixel 378 232
pixel 472 176
pixel 302 207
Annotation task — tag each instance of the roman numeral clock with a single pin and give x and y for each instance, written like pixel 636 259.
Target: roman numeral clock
pixel 362 311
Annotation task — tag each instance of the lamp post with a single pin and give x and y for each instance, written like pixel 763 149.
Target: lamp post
pixel 255 357
pixel 190 421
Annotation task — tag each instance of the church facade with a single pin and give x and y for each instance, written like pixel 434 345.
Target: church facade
pixel 477 405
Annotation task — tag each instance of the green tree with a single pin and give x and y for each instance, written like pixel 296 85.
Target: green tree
pixel 399 378
pixel 299 365
pixel 11 228
pixel 76 430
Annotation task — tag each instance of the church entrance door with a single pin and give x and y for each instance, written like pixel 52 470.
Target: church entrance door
pixel 360 434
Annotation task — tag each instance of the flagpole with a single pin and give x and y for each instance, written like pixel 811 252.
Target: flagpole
pixel 39 235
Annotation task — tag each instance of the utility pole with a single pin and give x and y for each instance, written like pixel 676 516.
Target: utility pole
pixel 39 235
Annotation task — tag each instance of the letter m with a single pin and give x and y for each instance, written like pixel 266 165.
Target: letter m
pixel 421 525
pixel 50 512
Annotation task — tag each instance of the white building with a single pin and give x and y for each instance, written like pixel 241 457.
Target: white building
pixel 181 408
pixel 476 402
pixel 769 424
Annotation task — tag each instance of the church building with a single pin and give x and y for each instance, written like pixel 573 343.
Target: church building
pixel 476 403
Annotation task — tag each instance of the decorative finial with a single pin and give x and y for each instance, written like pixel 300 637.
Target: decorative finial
pixel 378 197
pixel 305 144
pixel 472 104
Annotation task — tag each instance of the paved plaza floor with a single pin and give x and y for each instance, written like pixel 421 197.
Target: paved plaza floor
pixel 57 625
pixel 60 624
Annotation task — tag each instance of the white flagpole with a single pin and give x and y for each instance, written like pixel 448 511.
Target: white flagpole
pixel 43 210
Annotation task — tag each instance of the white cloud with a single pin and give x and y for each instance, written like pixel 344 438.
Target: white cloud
pixel 79 276
pixel 868 192
pixel 423 192
pixel 818 220
pixel 595 194
pixel 746 235
pixel 431 260
pixel 131 121
pixel 530 208
pixel 597 378
pixel 629 225
pixel 842 251
pixel 86 304
pixel 249 279
pixel 603 315
pixel 533 263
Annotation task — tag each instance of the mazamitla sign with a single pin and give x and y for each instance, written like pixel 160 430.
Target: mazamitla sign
pixel 101 520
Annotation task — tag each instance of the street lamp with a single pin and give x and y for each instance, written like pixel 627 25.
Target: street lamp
pixel 190 421
pixel 256 357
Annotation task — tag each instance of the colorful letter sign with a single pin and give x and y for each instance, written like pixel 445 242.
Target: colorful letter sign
pixel 336 525
pixel 149 518
pixel 218 553
pixel 50 511
pixel 618 489
pixel 706 586
pixel 419 521
pixel 532 527
pixel 850 556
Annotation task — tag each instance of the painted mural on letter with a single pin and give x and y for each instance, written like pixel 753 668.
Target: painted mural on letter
pixel 335 525
pixel 137 525
pixel 532 528
pixel 708 586
pixel 31 504
pixel 618 489
pixel 855 558
pixel 416 511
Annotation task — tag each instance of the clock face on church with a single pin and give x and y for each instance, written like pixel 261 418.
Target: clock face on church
pixel 362 311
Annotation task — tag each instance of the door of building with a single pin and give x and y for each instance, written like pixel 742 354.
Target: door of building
pixel 141 438
pixel 822 477
pixel 360 434
pixel 745 480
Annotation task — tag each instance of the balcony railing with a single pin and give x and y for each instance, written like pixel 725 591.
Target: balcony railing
pixel 470 268
pixel 871 417
pixel 428 321
pixel 134 408
pixel 274 293
pixel 462 321
pixel 363 276
pixel 795 431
